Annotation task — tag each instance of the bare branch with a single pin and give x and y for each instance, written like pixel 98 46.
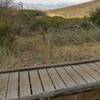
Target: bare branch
pixel 5 3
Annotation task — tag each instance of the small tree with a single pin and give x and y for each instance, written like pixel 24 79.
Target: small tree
pixel 6 36
pixel 95 16
pixel 5 3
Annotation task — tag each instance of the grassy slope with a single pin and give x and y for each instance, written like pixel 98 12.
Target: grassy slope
pixel 79 11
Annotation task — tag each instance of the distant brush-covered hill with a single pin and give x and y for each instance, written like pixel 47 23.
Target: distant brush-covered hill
pixel 79 11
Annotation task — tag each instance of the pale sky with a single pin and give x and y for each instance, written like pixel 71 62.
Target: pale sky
pixel 53 1
pixel 49 4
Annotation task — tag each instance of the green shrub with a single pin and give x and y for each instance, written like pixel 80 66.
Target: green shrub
pixel 6 37
pixel 95 16
pixel 3 33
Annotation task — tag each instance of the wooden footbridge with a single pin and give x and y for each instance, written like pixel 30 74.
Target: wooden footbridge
pixel 50 80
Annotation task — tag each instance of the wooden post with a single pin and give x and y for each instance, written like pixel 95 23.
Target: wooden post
pixel 76 97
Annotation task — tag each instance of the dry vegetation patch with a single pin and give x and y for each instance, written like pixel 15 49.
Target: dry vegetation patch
pixel 30 51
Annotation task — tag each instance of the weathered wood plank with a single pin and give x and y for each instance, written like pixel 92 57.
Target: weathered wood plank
pixel 84 74
pixel 35 82
pixel 66 78
pixel 76 77
pixel 95 67
pixel 3 86
pixel 46 82
pixel 50 79
pixel 92 72
pixel 12 92
pixel 24 85
pixel 56 79
pixel 97 63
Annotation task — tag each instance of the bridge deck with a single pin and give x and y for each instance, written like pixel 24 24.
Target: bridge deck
pixel 49 81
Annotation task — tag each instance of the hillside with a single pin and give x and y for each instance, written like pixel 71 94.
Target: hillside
pixel 79 11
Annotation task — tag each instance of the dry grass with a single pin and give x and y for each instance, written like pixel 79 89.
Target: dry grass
pixel 33 50
pixel 78 11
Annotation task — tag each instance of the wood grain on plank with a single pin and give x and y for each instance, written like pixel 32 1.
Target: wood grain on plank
pixel 95 67
pixel 84 74
pixel 12 92
pixel 76 77
pixel 66 78
pixel 97 63
pixel 24 85
pixel 46 81
pixel 56 79
pixel 3 86
pixel 92 72
pixel 35 82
